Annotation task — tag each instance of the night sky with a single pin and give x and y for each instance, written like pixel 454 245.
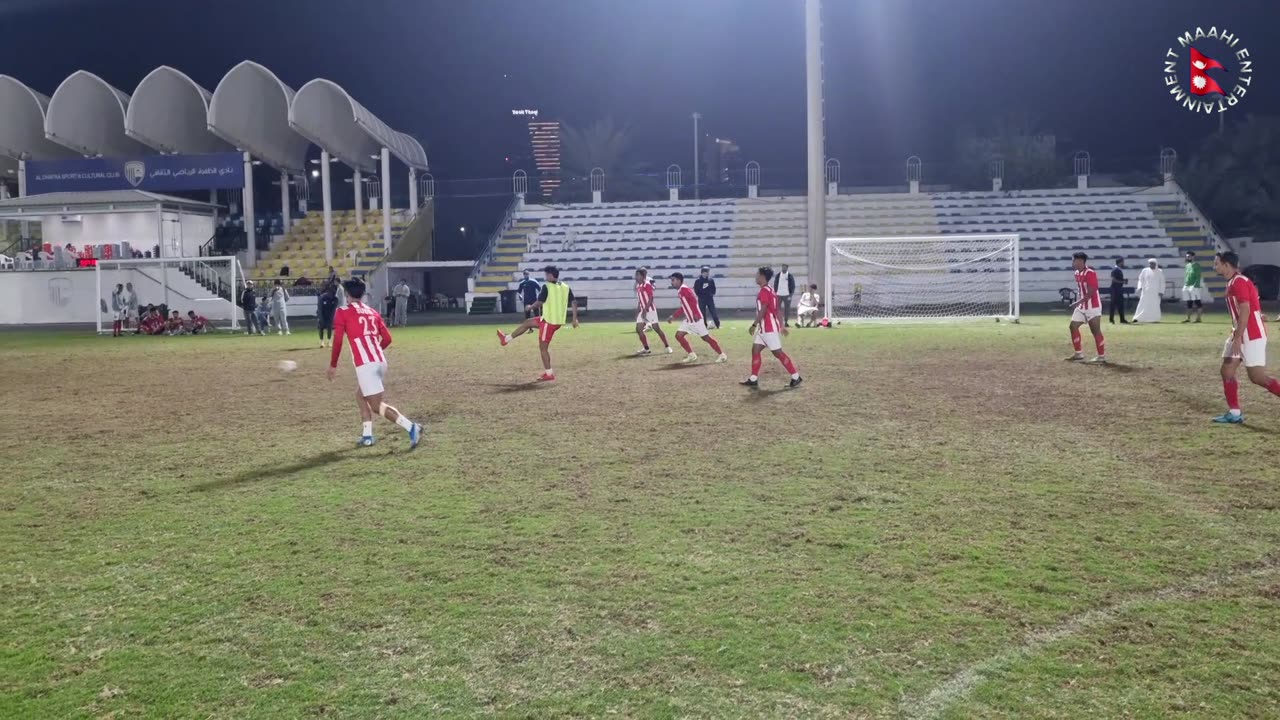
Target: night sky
pixel 900 74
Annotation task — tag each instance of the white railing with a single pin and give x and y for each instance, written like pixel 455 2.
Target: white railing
pixel 1186 205
pixel 486 255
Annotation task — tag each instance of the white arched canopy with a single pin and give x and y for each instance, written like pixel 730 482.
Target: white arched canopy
pixel 22 113
pixel 250 110
pixel 328 116
pixel 170 113
pixel 87 115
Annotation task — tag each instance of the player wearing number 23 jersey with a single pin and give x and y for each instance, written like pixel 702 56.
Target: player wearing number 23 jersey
pixel 767 331
pixel 368 337
pixel 1088 309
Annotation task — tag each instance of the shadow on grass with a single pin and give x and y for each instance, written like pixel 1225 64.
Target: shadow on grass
pixel 1120 368
pixel 758 394
pixel 679 366
pixel 499 388
pixel 632 356
pixel 272 472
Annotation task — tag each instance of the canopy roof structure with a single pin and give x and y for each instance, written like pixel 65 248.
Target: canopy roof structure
pixel 327 115
pixel 170 113
pixel 250 110
pixel 107 201
pixel 87 115
pixel 22 116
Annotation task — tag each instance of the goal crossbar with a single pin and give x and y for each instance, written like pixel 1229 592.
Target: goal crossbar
pixel 922 278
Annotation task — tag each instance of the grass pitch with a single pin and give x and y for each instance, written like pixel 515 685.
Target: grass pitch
pixel 943 522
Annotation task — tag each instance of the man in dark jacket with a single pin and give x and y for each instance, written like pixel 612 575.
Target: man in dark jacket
pixel 784 286
pixel 528 290
pixel 327 305
pixel 1117 291
pixel 705 288
pixel 249 302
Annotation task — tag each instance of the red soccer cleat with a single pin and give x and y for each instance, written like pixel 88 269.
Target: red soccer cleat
pixel 502 338
pixel 546 377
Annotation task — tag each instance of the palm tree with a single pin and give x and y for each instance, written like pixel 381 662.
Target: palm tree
pixel 608 147
pixel 1235 177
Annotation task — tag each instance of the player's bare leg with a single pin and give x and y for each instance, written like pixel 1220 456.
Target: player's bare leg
pixel 366 419
pixel 682 338
pixel 720 356
pixel 753 380
pixel 1095 327
pixel 521 329
pixel 662 336
pixel 1258 375
pixel 374 406
pixel 1076 342
pixel 1231 391
pixel 790 365
pixel 544 349
pixel 644 340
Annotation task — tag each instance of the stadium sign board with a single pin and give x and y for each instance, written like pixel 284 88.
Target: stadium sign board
pixel 158 173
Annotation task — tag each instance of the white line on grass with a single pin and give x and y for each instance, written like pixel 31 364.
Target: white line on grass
pixel 959 686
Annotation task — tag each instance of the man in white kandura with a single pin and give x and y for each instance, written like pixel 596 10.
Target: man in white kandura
pixel 1151 292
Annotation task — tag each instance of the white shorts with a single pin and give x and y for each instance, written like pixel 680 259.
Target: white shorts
pixel 696 327
pixel 771 340
pixel 647 318
pixel 1084 315
pixel 1190 293
pixel 123 314
pixel 370 376
pixel 1252 352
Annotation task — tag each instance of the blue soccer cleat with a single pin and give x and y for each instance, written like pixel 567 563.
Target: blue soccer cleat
pixel 1230 418
pixel 365 441
pixel 415 435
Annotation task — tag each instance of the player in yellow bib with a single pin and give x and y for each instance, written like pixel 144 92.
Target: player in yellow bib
pixel 555 302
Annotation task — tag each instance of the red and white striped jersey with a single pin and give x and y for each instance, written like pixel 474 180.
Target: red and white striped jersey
pixel 1087 284
pixel 688 304
pixel 644 296
pixel 364 330
pixel 1245 293
pixel 767 308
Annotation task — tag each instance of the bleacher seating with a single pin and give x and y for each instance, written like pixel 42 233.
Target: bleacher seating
pixel 357 249
pixel 609 241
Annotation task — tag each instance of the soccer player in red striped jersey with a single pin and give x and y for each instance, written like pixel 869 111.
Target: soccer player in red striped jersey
pixel 694 322
pixel 647 313
pixel 767 331
pixel 1088 309
pixel 1247 344
pixel 369 337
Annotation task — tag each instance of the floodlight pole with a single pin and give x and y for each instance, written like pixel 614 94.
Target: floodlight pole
pixel 328 206
pixel 356 181
pixel 817 210
pixel 247 198
pixel 386 201
pixel 696 179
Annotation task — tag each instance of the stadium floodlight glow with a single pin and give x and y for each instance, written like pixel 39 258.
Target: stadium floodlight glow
pixel 928 278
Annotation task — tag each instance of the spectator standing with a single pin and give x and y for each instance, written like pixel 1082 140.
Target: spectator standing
pixel 119 310
pixel 528 290
pixel 280 308
pixel 705 288
pixel 402 293
pixel 1192 287
pixel 327 305
pixel 784 286
pixel 249 302
pixel 1117 292
pixel 131 303
pixel 1150 293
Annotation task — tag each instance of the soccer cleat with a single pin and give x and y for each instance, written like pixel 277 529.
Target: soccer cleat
pixel 1187 321
pixel 1078 357
pixel 795 382
pixel 644 351
pixel 503 338
pixel 415 435
pixel 280 332
pixel 692 358
pixel 365 441
pixel 750 383
pixel 546 377
pixel 722 359
pixel 1229 418
pixel 669 350
pixel 1100 360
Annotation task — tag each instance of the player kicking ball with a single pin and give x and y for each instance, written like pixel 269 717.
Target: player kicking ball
pixel 647 313
pixel 1087 310
pixel 693 321
pixel 1247 344
pixel 766 331
pixel 555 301
pixel 368 336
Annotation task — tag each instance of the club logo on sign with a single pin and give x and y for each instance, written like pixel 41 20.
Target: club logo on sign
pixel 60 291
pixel 1219 70
pixel 135 171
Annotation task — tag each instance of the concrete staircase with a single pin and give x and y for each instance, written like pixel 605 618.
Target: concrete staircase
pixel 507 256
pixel 1186 235
pixel 357 249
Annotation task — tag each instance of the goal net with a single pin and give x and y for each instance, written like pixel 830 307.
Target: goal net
pixel 929 278
pixel 205 285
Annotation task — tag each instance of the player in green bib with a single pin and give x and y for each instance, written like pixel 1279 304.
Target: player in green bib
pixel 1192 287
pixel 555 302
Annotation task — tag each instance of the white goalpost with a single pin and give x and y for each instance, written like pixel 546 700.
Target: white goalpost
pixel 931 278
pixel 207 285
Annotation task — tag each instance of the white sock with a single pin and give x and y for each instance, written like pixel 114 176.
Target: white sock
pixel 405 423
pixel 795 376
pixel 366 429
pixel 753 378
pixel 1233 412
pixel 549 371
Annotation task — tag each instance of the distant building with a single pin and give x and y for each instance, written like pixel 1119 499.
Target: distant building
pixel 721 161
pixel 538 150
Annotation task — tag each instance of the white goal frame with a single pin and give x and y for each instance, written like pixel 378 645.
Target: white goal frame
pixel 163 267
pixel 1012 248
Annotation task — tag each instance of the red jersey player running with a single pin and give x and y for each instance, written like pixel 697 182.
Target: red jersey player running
pixel 368 335
pixel 1088 309
pixel 1247 344
pixel 768 324
pixel 693 320
pixel 647 313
